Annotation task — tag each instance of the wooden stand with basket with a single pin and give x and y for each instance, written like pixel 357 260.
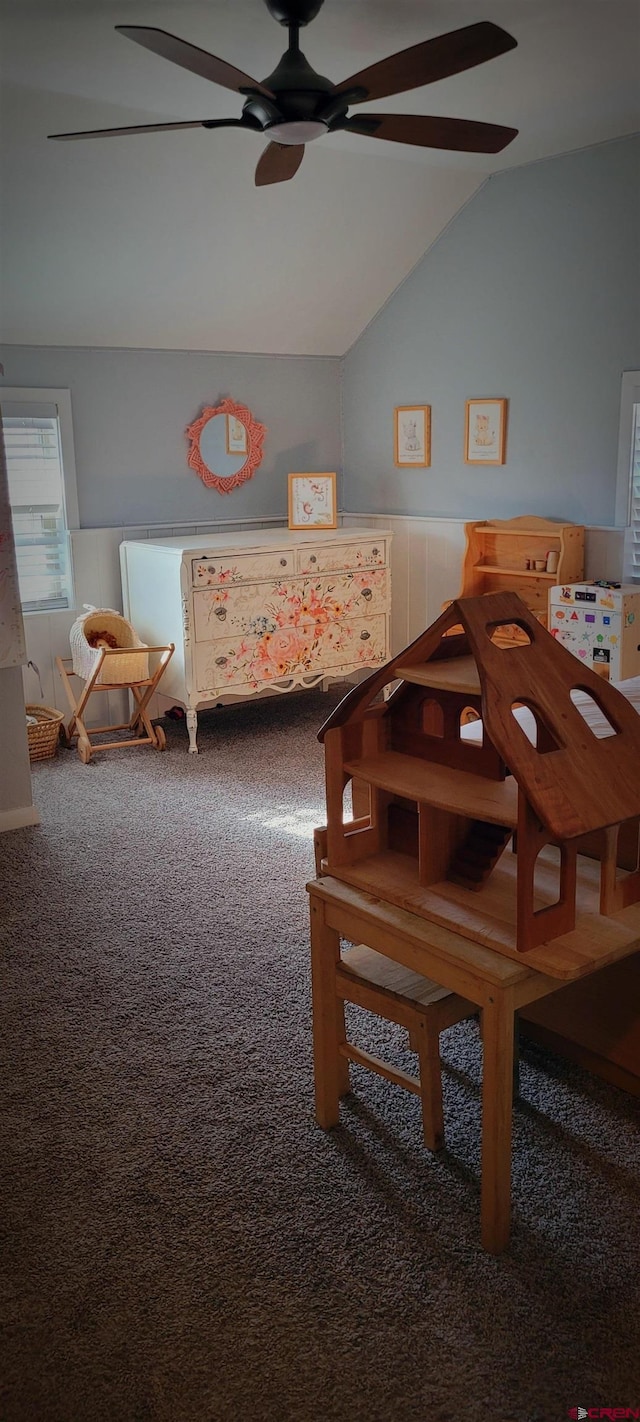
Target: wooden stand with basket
pixel 145 733
pixel 107 655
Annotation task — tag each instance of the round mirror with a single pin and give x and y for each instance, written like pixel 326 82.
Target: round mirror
pixel 226 445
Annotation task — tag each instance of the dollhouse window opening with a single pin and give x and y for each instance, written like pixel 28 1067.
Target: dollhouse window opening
pixel 470 717
pixel 347 803
pixel 585 702
pixel 547 877
pixel 540 735
pixel 501 634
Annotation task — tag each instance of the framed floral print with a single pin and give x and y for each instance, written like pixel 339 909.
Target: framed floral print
pixel 312 501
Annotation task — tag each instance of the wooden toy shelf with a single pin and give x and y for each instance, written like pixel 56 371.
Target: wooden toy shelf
pixel 514 572
pixel 497 551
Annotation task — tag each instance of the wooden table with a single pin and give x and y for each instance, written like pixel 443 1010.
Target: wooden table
pixel 497 984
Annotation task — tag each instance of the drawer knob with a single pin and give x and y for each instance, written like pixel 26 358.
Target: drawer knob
pixel 283 562
pixel 375 552
pixel 313 558
pixel 367 594
pixel 221 661
pixel 210 568
pixel 364 636
pixel 221 612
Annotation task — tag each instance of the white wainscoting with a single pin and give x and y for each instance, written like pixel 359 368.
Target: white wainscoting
pixel 426 567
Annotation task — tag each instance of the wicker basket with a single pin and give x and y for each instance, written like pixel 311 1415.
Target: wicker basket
pixel 116 669
pixel 43 733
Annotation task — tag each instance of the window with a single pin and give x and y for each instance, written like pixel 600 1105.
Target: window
pixel 38 441
pixel 628 488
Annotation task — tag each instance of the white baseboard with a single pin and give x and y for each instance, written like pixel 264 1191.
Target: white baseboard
pixel 19 819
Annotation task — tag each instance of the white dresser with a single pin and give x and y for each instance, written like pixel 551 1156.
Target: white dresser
pixel 259 611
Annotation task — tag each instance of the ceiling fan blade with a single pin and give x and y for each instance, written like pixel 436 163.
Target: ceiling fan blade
pixel 152 128
pixel 279 162
pixel 188 56
pixel 456 135
pixel 434 59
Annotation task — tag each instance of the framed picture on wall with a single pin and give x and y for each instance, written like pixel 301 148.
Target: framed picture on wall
pixel 313 501
pixel 485 432
pixel 412 436
pixel 236 436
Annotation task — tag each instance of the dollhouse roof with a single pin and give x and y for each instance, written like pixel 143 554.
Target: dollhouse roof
pixel 575 781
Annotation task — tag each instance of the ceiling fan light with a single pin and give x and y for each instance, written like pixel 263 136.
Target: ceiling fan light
pixel 296 131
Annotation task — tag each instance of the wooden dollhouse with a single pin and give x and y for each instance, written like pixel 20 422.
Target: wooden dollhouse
pixel 513 838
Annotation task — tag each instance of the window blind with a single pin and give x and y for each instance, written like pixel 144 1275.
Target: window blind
pixel 36 495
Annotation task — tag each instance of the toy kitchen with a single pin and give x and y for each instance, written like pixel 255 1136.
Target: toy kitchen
pixel 600 623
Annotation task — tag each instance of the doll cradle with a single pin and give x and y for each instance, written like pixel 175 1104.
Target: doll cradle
pixel 99 627
pixel 131 673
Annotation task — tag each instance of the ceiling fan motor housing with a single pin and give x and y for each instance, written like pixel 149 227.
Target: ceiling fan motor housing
pixel 294 12
pixel 305 102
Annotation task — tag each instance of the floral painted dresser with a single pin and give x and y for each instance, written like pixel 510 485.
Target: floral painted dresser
pixel 267 610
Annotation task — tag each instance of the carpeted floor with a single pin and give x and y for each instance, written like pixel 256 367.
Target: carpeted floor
pixel 182 1244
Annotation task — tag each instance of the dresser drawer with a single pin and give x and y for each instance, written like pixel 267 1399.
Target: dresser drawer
pixel 362 643
pixel 257 660
pixel 263 608
pixel 241 568
pixel 288 652
pixel 334 557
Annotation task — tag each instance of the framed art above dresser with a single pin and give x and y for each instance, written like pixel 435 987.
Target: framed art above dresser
pixel 260 611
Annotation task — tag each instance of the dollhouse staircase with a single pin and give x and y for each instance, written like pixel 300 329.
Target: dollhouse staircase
pixel 478 855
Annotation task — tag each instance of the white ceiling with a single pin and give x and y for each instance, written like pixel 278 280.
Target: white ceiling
pixel 162 240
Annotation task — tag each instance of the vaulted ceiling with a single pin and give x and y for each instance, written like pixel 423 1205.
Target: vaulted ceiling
pixel 163 240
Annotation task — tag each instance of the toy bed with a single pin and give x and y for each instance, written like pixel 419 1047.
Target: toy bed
pixel 107 655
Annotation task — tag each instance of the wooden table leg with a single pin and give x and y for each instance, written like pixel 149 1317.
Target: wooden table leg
pixel 328 1020
pixel 427 1045
pixel 497 1108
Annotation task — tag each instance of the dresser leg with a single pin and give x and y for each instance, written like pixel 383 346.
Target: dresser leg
pixel 192 727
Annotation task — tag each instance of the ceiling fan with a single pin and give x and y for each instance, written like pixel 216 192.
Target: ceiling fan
pixel 294 105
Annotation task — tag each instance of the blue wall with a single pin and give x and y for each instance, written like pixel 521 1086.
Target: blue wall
pixel 532 293
pixel 130 410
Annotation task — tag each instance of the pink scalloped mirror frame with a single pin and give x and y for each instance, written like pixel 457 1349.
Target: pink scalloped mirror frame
pixel 255 436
